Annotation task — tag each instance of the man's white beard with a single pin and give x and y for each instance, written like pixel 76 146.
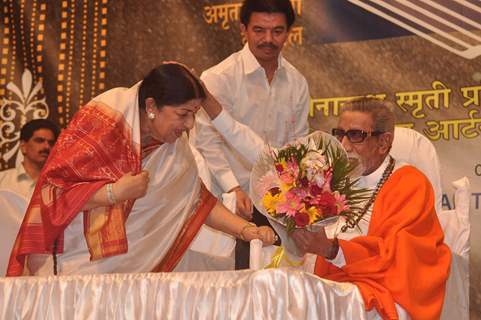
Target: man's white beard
pixel 360 168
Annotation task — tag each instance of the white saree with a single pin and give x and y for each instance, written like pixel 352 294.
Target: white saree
pixel 155 219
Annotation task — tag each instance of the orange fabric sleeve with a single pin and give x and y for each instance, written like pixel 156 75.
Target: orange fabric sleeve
pixel 402 259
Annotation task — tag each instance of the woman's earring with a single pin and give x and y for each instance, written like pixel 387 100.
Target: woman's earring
pixel 151 115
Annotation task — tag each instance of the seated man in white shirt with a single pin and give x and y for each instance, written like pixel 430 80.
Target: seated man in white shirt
pixel 37 138
pixel 17 184
pixel 261 90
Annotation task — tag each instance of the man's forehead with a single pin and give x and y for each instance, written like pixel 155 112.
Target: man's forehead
pixel 355 119
pixel 261 19
pixel 43 133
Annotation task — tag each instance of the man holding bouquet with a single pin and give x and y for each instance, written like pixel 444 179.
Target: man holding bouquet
pixel 392 248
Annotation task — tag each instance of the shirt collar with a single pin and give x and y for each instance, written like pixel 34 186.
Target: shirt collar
pixel 251 64
pixel 371 180
pixel 21 173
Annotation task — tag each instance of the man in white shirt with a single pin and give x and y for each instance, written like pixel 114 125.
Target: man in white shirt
pixel 260 89
pixel 37 138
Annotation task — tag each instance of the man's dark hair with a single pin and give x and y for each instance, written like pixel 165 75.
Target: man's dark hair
pixel 30 127
pixel 267 6
pixel 170 84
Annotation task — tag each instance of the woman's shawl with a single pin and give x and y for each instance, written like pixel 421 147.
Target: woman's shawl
pixel 100 145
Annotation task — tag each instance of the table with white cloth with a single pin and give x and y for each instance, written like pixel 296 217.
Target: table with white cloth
pixel 264 294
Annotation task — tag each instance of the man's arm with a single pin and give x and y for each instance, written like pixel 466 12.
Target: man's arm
pixel 209 142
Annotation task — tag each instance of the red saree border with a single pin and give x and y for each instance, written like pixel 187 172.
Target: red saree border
pixel 190 229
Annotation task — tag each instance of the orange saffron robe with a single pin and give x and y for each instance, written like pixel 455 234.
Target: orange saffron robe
pixel 403 258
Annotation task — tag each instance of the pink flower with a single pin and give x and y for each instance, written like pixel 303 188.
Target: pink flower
pixel 341 202
pixel 287 177
pixel 267 182
pixel 290 172
pixel 291 206
pixel 299 192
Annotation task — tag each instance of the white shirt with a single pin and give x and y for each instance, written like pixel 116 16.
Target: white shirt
pixel 370 182
pixel 277 112
pixel 17 180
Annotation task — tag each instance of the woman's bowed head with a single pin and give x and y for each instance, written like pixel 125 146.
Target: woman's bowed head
pixel 169 97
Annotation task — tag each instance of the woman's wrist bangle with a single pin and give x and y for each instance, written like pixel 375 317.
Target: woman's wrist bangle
pixel 110 194
pixel 333 250
pixel 246 226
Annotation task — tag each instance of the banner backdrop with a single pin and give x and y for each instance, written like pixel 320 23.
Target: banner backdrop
pixel 423 55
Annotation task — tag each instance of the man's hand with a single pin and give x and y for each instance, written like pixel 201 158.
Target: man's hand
pixel 312 242
pixel 210 103
pixel 243 204
pixel 131 186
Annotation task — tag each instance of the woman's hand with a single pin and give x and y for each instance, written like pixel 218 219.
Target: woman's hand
pixel 131 186
pixel 267 235
pixel 263 233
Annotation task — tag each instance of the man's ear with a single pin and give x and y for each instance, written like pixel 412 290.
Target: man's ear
pixel 385 141
pixel 243 28
pixel 22 147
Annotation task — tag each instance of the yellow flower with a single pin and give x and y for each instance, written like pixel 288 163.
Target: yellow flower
pixel 270 202
pixel 285 187
pixel 314 214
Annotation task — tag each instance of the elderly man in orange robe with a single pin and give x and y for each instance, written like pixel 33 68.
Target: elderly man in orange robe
pixel 394 251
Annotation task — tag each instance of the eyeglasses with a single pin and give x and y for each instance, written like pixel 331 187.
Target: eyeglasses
pixel 354 135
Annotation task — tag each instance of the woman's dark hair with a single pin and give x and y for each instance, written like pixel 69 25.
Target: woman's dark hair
pixel 170 84
pixel 267 6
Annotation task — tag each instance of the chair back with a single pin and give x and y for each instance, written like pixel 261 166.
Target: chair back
pixel 12 210
pixel 415 149
pixel 456 225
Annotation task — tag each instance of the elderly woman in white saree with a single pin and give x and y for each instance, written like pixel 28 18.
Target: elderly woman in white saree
pixel 125 162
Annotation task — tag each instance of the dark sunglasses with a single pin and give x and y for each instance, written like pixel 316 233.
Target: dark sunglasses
pixel 354 135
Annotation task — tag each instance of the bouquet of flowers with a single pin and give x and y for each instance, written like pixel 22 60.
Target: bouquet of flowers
pixel 306 184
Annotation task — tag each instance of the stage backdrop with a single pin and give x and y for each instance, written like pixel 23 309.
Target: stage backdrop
pixel 423 55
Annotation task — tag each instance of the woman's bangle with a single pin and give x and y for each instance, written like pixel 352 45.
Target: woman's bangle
pixel 246 226
pixel 110 194
pixel 333 250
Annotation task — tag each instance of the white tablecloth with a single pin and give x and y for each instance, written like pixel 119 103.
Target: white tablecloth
pixel 264 294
